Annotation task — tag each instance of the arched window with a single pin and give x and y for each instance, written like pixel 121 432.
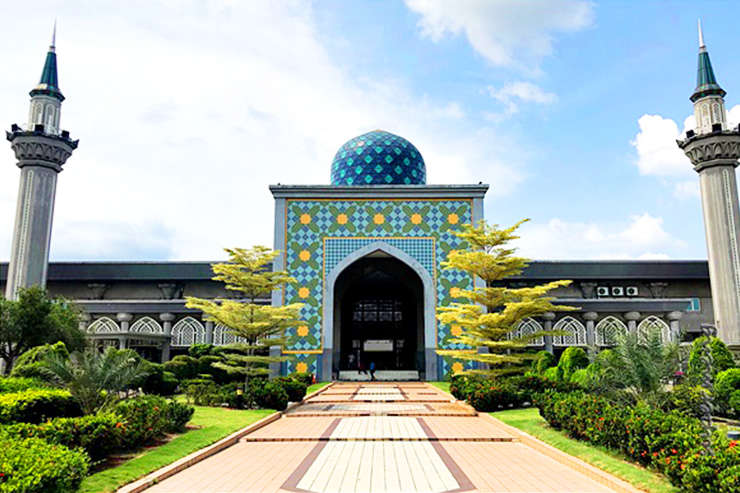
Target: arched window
pixel 654 323
pixel 38 114
pixel 527 327
pixel 576 336
pixel 50 120
pixel 146 325
pixel 103 325
pixel 222 336
pixel 608 329
pixel 187 332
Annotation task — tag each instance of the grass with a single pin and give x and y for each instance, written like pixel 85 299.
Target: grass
pixel 530 421
pixel 316 386
pixel 442 386
pixel 214 423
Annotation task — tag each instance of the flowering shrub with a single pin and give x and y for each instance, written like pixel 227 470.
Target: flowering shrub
pixel 670 442
pixel 37 405
pixel 32 465
pixel 490 394
pixel 148 417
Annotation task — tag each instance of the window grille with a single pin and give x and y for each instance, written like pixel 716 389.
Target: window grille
pixel 576 332
pixel 607 331
pixel 103 325
pixel 146 325
pixel 187 332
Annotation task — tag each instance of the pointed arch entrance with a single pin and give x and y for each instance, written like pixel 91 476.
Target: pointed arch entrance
pixel 379 306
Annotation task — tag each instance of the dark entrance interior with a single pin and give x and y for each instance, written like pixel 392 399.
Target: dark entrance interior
pixel 378 316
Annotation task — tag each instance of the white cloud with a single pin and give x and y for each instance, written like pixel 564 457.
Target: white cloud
pixel 521 91
pixel 506 32
pixel 657 152
pixel 687 189
pixel 192 109
pixel 558 239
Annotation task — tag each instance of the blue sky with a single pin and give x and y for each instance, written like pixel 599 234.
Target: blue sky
pixel 187 110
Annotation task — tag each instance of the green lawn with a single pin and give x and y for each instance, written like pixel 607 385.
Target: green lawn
pixel 530 421
pixel 316 386
pixel 215 423
pixel 442 385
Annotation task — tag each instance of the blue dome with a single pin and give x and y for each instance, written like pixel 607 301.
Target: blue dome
pixel 378 158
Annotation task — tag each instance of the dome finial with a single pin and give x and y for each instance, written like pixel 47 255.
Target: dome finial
pixel 701 36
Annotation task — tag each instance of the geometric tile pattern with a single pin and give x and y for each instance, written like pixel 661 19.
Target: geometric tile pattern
pixel 378 158
pixel 320 233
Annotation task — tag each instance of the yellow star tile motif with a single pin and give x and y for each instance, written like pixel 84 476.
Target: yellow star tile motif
pixel 305 255
pixel 456 330
pixel 416 218
pixel 303 293
pixel 457 367
pixel 305 218
pixel 342 219
pixel 302 330
pixel 301 367
pixel 455 292
pixel 378 218
pixel 453 218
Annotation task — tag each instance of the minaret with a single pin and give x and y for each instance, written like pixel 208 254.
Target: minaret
pixel 714 151
pixel 41 150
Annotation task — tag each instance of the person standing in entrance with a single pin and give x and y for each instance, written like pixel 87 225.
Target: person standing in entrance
pixel 372 371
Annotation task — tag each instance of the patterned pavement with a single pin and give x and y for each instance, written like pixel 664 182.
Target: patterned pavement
pixel 380 438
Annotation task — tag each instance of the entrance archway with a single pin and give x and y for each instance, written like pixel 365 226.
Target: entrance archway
pixel 379 305
pixel 378 316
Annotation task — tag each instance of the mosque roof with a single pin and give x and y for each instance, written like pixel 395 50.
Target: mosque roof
pixel 378 158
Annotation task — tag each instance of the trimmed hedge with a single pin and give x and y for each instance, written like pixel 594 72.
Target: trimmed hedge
pixel 271 395
pixel 296 390
pixel 572 359
pixel 488 394
pixel 37 405
pixel 99 435
pixel 11 385
pixel 670 442
pixel 32 465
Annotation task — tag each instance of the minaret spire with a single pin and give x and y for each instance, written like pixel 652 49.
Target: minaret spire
pixel 701 36
pixel 53 45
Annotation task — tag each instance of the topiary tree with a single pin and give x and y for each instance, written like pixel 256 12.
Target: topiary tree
pixel 258 325
pixel 721 358
pixel 30 363
pixel 493 312
pixel 184 367
pixel 725 384
pixel 572 359
pixel 200 350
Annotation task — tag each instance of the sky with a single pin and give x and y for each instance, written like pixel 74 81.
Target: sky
pixel 187 110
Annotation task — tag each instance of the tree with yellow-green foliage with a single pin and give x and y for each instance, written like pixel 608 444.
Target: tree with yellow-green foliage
pixel 490 317
pixel 260 326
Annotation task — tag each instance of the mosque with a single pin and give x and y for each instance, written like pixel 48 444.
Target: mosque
pixel 366 251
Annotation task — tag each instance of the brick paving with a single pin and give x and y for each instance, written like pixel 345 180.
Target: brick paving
pixel 380 437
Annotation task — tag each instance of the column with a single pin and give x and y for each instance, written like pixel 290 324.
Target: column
pixel 590 318
pixel 674 318
pixel 632 318
pixel 124 318
pixel 166 319
pixel 209 331
pixel 84 321
pixel 548 317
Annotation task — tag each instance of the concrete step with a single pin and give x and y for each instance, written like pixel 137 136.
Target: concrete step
pixel 380 375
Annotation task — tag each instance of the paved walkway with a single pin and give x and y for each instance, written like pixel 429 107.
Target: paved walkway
pixel 367 437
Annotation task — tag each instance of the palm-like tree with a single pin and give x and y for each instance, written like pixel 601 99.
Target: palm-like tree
pixel 639 368
pixel 94 378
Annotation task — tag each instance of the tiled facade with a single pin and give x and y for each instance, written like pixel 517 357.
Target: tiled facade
pixel 321 233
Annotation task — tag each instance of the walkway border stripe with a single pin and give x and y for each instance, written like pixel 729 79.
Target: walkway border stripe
pixel 190 460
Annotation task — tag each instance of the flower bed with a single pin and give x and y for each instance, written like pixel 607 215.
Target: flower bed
pixel 670 442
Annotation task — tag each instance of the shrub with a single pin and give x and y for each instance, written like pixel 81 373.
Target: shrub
pixel 184 367
pixel 498 394
pixel 734 404
pixel 203 392
pixel 721 358
pixel 29 364
pixel 159 381
pixel 725 384
pixel 670 442
pixel 147 417
pixel 200 350
pixel 545 360
pixel 270 396
pixel 296 390
pixel 205 367
pixel 572 359
pixel 32 465
pixel 687 398
pixel 37 405
pixel 19 384
pixel 305 378
pixel 100 434
pixel 552 374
